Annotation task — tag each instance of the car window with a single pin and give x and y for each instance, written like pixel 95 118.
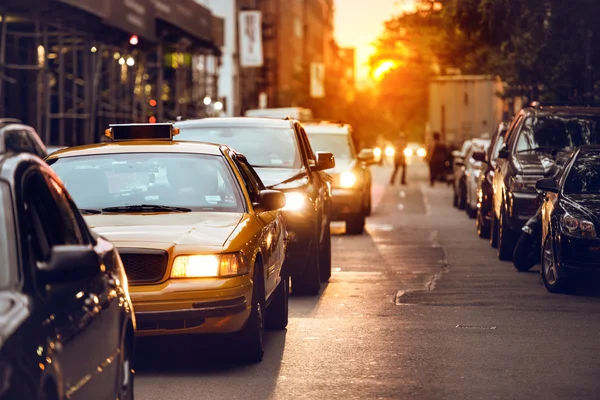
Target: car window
pixel 194 181
pixel 339 145
pixel 562 133
pixel 306 144
pixel 512 130
pixel 584 176
pixel 252 172
pixel 17 141
pixel 263 147
pixel 72 230
pixel 248 179
pixel 9 266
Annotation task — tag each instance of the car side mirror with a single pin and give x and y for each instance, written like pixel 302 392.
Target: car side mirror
pixel 325 161
pixel 367 156
pixel 547 185
pixel 70 263
pixel 270 200
pixel 479 156
pixel 504 153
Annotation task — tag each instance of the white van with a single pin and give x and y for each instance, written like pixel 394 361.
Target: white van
pixel 298 113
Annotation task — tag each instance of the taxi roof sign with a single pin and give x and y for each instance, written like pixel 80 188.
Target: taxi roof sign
pixel 133 132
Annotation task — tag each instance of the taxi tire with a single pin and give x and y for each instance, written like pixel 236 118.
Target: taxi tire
pixel 250 342
pixel 277 312
pixel 355 225
pixel 325 256
pixel 309 283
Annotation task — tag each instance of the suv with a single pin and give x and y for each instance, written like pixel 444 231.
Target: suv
pixel 351 186
pixel 281 154
pixel 538 138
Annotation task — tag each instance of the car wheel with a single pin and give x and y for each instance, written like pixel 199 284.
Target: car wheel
pixel 277 312
pixel 125 382
pixel 506 238
pixel 251 337
pixel 523 259
pixel 471 212
pixel 552 279
pixel 494 231
pixel 309 283
pixel 482 230
pixel 325 256
pixel 355 225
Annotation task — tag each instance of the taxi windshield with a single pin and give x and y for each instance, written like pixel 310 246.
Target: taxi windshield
pixel 339 145
pixel 263 147
pixel 190 182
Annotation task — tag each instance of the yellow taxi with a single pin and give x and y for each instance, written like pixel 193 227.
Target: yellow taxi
pixel 202 241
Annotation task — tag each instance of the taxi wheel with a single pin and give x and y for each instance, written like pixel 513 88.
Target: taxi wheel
pixel 251 337
pixel 277 313
pixel 309 283
pixel 325 256
pixel 355 225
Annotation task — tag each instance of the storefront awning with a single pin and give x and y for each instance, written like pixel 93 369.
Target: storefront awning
pixel 187 15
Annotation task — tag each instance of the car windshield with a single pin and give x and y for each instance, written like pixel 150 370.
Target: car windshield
pixel 339 145
pixel 263 147
pixel 8 271
pixel 192 182
pixel 561 133
pixel 584 177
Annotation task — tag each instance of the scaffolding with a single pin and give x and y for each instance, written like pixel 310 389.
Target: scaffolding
pixel 69 85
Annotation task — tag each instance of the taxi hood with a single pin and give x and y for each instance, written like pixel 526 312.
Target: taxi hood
pixel 204 229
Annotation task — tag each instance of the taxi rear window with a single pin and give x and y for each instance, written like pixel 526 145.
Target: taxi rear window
pixel 192 181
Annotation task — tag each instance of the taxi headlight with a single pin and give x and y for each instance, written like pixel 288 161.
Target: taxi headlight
pixel 408 152
pixel 421 152
pixel 347 180
pixel 209 266
pixel 294 201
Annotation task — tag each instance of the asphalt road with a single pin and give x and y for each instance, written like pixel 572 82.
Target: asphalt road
pixel 419 307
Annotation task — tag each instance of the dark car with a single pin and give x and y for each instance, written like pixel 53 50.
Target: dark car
pixel 66 316
pixel 18 138
pixel 485 193
pixel 539 137
pixel 351 185
pixel 571 220
pixel 281 154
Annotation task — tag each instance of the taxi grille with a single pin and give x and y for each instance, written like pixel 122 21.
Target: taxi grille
pixel 144 267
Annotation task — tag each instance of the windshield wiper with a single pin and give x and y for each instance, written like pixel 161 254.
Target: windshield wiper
pixel 145 207
pixel 89 211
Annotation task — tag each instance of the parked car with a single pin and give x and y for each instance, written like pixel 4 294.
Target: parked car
pixel 351 184
pixel 473 168
pixel 485 186
pixel 203 241
pixel 571 221
pixel 458 161
pixel 281 153
pixel 68 325
pixel 463 164
pixel 539 137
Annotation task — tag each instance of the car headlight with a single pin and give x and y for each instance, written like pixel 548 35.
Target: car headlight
pixel 389 151
pixel 209 266
pixel 347 180
pixel 421 152
pixel 377 152
pixel 408 152
pixel 294 201
pixel 578 226
pixel 521 183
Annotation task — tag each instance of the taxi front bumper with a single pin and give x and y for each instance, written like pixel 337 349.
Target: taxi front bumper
pixel 173 310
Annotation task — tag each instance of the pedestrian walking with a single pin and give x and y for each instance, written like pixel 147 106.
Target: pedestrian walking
pixel 399 160
pixel 437 156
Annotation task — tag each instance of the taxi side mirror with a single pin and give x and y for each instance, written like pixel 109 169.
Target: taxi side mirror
pixel 325 161
pixel 270 200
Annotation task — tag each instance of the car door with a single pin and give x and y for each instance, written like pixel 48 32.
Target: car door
pixel 502 168
pixel 78 318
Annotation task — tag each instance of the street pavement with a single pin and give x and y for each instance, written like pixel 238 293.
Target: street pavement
pixel 419 307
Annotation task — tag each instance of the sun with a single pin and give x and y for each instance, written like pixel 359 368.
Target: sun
pixel 383 69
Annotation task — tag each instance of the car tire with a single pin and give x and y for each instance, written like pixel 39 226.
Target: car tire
pixel 522 257
pixel 506 238
pixel 325 256
pixel 125 376
pixel 494 231
pixel 277 312
pixel 462 197
pixel 483 231
pixel 455 199
pixel 355 225
pixel 471 213
pixel 309 283
pixel 553 282
pixel 250 343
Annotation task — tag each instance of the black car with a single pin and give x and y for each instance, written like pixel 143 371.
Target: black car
pixel 485 192
pixel 571 220
pixel 67 322
pixel 539 137
pixel 281 154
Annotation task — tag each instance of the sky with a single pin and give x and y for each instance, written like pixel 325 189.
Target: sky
pixel 358 23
